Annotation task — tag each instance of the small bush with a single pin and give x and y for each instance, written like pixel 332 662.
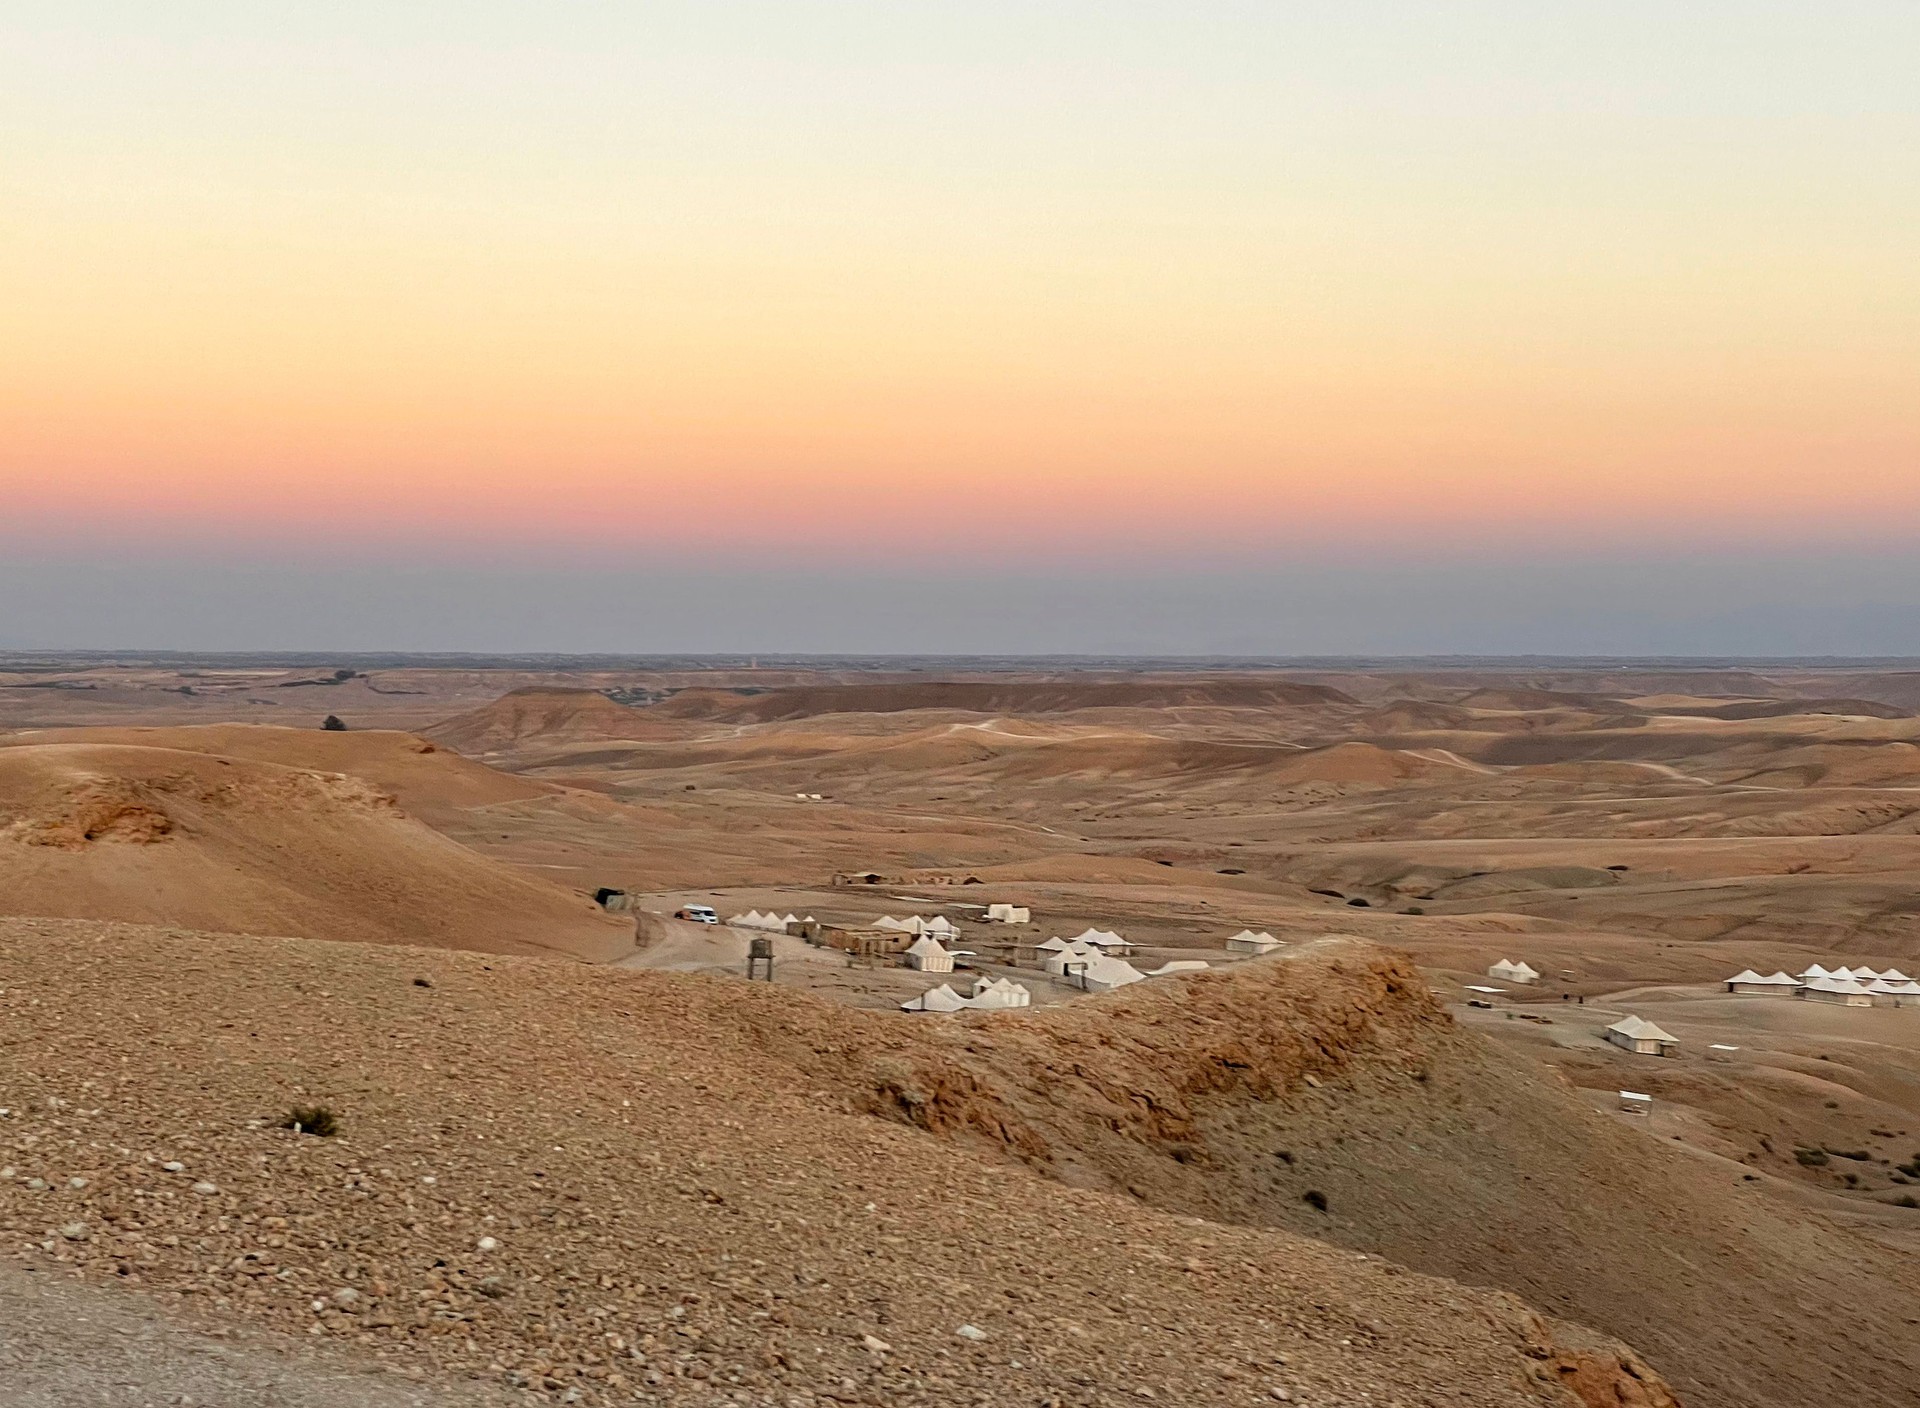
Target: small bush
pixel 1810 1158
pixel 1906 1200
pixel 1857 1155
pixel 332 724
pixel 1314 1199
pixel 1415 909
pixel 311 1119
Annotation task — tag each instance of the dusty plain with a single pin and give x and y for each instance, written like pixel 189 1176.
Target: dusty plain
pixel 211 908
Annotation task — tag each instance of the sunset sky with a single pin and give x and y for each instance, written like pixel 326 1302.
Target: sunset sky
pixel 986 325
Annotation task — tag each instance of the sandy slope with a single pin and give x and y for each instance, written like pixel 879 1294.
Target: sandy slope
pixel 699 1203
pixel 1235 1095
pixel 108 831
pixel 549 716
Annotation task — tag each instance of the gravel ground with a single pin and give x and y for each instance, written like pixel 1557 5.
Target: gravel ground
pixel 611 1187
pixel 66 1345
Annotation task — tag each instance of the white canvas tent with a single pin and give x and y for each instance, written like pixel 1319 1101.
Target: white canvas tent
pixel 1643 1038
pixel 1101 973
pixel 1066 956
pixel 926 954
pixel 1886 994
pixel 1776 985
pixel 1009 914
pixel 1894 975
pixel 1514 972
pixel 1246 941
pixel 998 993
pixel 1844 991
pixel 940 999
pixel 1105 940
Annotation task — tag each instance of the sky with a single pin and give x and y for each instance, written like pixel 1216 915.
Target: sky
pixel 841 325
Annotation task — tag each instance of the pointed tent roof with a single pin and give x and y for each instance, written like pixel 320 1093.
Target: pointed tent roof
pixel 1108 972
pixel 1815 971
pixel 1846 985
pixel 1906 989
pixel 1746 975
pixel 1862 974
pixel 1783 977
pixel 1099 938
pixel 926 946
pixel 1774 979
pixel 1640 1029
pixel 940 999
pixel 1894 975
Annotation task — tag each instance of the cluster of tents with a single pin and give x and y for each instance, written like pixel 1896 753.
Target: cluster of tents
pixel 986 995
pixel 1849 987
pixel 771 922
pixel 1522 972
pixel 1095 961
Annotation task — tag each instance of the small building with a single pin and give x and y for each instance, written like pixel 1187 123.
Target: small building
pixel 926 954
pixel 1632 1102
pixel 1513 972
pixel 1641 1037
pixel 1773 985
pixel 1720 1051
pixel 1009 914
pixel 809 929
pixel 1248 942
pixel 1843 991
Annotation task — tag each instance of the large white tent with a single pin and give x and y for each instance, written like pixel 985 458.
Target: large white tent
pixel 940 999
pixel 1513 972
pixel 926 954
pixel 1640 1036
pixel 1886 994
pixel 1105 940
pixel 991 993
pixel 1844 991
pixel 1772 985
pixel 1009 914
pixel 1066 956
pixel 1102 973
pixel 1246 941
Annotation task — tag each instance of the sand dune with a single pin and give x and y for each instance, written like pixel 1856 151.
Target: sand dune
pixel 549 716
pixel 163 835
pixel 1432 1148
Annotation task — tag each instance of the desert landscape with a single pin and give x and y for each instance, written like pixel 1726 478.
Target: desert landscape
pixel 1272 1131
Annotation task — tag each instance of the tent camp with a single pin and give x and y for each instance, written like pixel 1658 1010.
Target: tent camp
pixel 926 954
pixel 1775 985
pixel 1514 972
pixel 1101 973
pixel 1641 1037
pixel 1246 941
pixel 1844 991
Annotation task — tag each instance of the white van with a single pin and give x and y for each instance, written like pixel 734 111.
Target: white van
pixel 698 913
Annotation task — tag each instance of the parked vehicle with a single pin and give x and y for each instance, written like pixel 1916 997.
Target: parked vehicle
pixel 697 913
